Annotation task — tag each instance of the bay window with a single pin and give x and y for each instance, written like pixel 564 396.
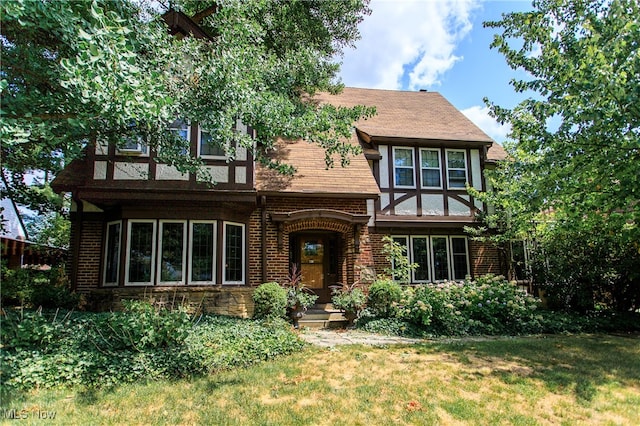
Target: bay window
pixel 174 252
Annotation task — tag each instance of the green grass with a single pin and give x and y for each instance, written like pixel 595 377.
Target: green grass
pixel 587 379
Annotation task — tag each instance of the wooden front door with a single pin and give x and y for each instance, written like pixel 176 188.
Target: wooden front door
pixel 316 255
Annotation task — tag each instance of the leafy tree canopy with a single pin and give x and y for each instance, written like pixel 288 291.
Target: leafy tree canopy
pixel 74 72
pixel 576 141
pixel 572 182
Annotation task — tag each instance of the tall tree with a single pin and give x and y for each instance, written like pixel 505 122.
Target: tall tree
pixel 74 72
pixel 575 151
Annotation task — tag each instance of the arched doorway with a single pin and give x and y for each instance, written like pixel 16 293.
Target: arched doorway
pixel 318 257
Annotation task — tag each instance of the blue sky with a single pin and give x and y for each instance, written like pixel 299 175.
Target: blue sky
pixel 438 45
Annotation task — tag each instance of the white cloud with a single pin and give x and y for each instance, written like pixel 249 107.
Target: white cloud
pixel 407 44
pixel 479 115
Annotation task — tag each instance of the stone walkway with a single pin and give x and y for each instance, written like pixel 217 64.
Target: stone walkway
pixel 329 338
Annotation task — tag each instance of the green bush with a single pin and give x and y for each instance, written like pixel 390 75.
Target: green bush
pixel 488 305
pixel 34 288
pixel 270 301
pixel 384 297
pixel 44 349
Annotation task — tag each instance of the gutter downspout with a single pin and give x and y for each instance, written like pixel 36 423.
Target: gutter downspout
pixel 77 237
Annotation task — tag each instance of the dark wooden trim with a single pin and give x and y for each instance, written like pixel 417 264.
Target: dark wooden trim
pixel 320 214
pixel 428 143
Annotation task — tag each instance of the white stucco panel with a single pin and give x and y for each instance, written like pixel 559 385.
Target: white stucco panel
pixel 432 205
pixel 476 173
pixel 167 172
pixel 99 170
pixel 384 169
pixel 384 201
pixel 219 174
pixel 407 208
pixel 130 171
pixel 241 174
pixel 456 208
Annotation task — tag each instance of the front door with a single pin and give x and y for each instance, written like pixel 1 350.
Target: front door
pixel 316 255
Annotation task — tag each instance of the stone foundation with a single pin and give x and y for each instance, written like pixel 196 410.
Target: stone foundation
pixel 231 301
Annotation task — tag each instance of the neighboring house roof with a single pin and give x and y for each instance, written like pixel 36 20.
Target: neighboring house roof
pixel 496 152
pixel 312 175
pixel 415 115
pixel 12 225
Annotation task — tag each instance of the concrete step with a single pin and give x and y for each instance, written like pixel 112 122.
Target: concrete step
pixel 322 316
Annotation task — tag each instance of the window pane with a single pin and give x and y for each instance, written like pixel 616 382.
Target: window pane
pixel 171 261
pixel 457 178
pixel 430 159
pixel 421 257
pixel 202 248
pixel 456 160
pixel 233 253
pixel 404 177
pixel 403 157
pixel 459 249
pixel 440 259
pixel 208 147
pixel 112 257
pixel 140 252
pixel 431 178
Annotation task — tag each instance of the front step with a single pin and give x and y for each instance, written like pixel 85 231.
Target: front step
pixel 322 316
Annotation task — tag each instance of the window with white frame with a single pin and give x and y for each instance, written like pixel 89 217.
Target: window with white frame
pixel 208 148
pixel 175 252
pixel 403 167
pixel 437 258
pixel 202 260
pixel 141 243
pixel 233 253
pixel 430 168
pixel 172 252
pixel 456 169
pixel 183 131
pixel 112 253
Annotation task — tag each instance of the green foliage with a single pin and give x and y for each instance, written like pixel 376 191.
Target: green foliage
pixel 349 299
pixel 64 63
pixel 488 305
pixel 571 184
pixel 399 267
pixel 35 288
pixel 41 349
pixel 384 297
pixel 299 296
pixel 270 301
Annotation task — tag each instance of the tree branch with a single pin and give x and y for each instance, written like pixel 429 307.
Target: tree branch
pixel 198 17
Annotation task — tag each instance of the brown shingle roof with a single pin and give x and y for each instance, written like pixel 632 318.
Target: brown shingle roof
pixel 496 152
pixel 73 175
pixel 312 175
pixel 421 115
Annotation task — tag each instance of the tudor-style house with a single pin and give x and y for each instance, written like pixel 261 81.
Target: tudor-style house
pixel 142 229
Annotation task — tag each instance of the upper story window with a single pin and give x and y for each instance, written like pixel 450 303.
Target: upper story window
pixel 403 167
pixel 430 168
pixel 456 169
pixel 207 148
pixel 134 145
pixel 182 130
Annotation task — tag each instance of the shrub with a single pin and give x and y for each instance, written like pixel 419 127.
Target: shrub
pixel 384 297
pixel 270 301
pixel 36 288
pixel 349 299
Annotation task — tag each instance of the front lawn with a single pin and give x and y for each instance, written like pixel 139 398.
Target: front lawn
pixel 584 379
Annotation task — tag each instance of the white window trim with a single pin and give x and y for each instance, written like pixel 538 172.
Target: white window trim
pixel 412 259
pixel 413 167
pixel 224 253
pixel 465 169
pixel 431 168
pixel 214 254
pixel 153 252
pixel 466 255
pixel 105 257
pixel 184 253
pixel 207 157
